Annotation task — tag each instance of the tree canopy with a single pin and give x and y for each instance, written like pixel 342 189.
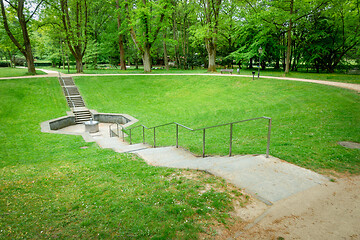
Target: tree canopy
pixel 322 35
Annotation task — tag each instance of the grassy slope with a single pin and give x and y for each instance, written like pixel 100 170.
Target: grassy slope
pixel 15 72
pixel 52 188
pixel 308 119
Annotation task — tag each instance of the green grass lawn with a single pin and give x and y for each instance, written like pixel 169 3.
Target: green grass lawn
pixel 308 119
pixel 52 187
pixel 336 77
pixel 15 72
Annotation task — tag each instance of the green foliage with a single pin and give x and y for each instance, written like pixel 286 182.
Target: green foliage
pixel 331 34
pixel 325 35
pixel 91 55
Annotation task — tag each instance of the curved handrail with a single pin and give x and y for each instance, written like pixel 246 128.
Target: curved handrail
pixel 197 129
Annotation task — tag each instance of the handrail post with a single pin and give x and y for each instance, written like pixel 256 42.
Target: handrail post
pixel 203 155
pixel 117 129
pixel 231 134
pixel 130 136
pixel 268 139
pixel 154 139
pixel 177 136
pixel 143 135
pixel 123 134
pixel 110 130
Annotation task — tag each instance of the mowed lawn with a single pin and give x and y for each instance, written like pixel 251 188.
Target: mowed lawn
pixel 308 119
pixel 15 72
pixel 59 186
pixel 335 77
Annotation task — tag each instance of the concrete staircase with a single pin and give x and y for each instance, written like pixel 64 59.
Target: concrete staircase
pixel 81 115
pixel 74 100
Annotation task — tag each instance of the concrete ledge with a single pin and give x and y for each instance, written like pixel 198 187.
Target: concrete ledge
pixel 58 123
pixel 124 119
pixel 61 122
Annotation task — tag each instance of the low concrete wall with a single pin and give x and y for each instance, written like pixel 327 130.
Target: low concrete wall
pixel 61 122
pixel 124 119
pixel 110 118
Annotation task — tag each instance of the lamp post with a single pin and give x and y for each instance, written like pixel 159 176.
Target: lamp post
pixel 260 51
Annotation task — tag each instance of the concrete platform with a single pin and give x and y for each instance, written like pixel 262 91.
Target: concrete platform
pixel 268 179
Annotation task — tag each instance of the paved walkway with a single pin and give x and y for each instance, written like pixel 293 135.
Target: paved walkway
pixel 268 179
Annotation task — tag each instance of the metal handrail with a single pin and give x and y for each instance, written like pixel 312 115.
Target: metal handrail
pixel 68 94
pixel 117 129
pixel 198 129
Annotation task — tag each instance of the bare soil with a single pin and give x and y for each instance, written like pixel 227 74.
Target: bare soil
pixel 328 211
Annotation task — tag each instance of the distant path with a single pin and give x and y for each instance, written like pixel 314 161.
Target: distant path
pixel 351 86
pixel 51 73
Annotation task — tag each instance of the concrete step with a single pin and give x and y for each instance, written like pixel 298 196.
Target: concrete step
pixel 87 112
pixel 74 105
pixel 82 115
pixel 79 109
pixel 66 81
pixel 75 101
pixel 71 91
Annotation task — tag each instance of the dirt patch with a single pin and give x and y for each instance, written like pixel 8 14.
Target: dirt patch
pixel 353 145
pixel 328 211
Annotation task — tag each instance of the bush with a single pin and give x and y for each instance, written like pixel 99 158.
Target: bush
pixel 4 64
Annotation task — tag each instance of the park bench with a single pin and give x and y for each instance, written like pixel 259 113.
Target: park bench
pixel 227 70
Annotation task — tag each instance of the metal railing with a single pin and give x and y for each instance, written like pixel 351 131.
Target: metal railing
pixel 68 94
pixel 129 130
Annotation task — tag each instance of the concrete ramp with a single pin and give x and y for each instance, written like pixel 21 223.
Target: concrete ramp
pixel 268 179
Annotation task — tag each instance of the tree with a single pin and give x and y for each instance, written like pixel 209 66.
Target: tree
pixel 207 30
pixel 145 19
pixel 121 36
pixel 23 17
pixel 8 50
pixel 332 33
pixel 75 24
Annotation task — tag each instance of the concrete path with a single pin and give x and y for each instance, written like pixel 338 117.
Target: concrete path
pixel 268 179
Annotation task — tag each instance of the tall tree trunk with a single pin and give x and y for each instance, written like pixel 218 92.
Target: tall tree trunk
pixel 212 9
pixel 147 59
pixel 212 57
pixel 26 48
pixel 79 65
pixel 122 53
pixel 166 62
pixel 76 37
pixel 177 56
pixel 121 42
pixel 288 51
pixel 12 62
pixel 29 56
